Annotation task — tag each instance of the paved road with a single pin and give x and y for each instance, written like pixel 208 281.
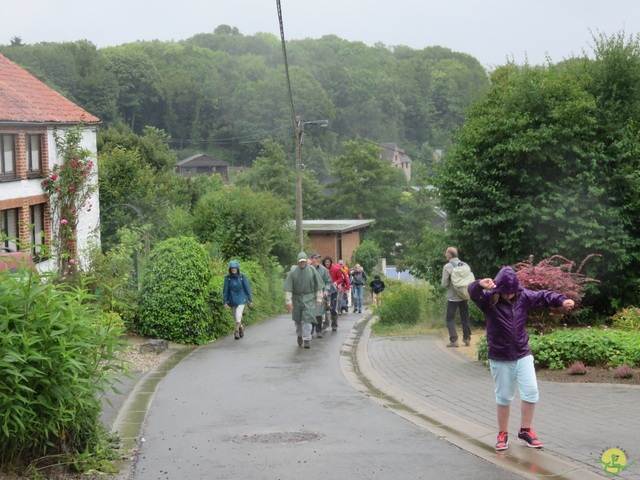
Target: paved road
pixel 262 408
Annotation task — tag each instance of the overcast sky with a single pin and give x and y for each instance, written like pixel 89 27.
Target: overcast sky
pixel 490 30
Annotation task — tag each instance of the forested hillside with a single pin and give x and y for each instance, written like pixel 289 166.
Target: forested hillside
pixel 225 92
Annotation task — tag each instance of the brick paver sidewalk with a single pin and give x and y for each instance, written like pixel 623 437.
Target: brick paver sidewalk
pixel 575 421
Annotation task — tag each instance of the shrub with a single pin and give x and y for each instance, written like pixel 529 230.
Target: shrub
pixel 114 277
pixel 57 355
pixel 627 319
pixel 367 255
pixel 624 371
pixel 483 349
pixel 176 292
pixel 556 274
pixel 593 347
pixel 402 303
pixel 577 368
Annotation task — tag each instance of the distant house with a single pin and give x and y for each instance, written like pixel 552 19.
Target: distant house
pixel 398 158
pixel 336 238
pixel 201 164
pixel 30 112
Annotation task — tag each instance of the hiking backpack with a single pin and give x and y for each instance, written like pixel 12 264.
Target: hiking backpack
pixel 461 277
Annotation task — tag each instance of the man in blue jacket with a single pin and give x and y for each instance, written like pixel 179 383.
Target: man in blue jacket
pixel 236 294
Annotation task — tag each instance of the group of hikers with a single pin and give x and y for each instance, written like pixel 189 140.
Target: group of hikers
pixel 316 293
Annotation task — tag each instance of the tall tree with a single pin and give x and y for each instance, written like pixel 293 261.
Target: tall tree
pixel 138 81
pixel 369 187
pixel 545 165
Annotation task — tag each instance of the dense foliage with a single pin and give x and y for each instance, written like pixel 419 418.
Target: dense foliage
pixel 606 347
pixel 403 303
pixel 627 319
pixel 57 356
pixel 557 274
pixel 175 293
pixel 367 254
pixel 548 163
pixel 366 186
pixel 223 91
pixel 593 347
pixel 242 223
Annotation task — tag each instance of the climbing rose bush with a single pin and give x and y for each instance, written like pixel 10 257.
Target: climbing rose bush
pixel 70 186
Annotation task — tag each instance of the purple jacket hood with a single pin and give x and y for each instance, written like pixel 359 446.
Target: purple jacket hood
pixel 507 336
pixel 507 281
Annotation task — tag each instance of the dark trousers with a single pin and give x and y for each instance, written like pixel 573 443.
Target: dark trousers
pixel 464 319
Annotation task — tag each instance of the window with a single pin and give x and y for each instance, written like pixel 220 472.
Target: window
pixel 9 228
pixel 37 230
pixel 7 156
pixel 34 154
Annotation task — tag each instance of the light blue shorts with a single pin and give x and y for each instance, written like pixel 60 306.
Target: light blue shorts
pixel 506 374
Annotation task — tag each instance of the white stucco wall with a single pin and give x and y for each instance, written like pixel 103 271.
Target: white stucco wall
pixel 89 221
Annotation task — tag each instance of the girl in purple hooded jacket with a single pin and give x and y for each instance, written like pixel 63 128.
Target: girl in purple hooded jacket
pixel 505 304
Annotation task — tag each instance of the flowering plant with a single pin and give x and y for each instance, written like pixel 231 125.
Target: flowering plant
pixel 70 188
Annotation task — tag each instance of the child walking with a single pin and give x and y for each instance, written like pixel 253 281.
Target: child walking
pixel 505 303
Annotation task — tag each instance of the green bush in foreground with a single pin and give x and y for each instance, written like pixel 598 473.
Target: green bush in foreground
pixel 57 356
pixel 607 347
pixel 175 295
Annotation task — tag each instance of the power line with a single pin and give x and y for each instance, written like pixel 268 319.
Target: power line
pixel 363 140
pixel 286 64
pixel 222 140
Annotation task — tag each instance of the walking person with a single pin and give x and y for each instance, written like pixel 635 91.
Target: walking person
pixel 343 288
pixel 303 293
pixel 333 291
pixel 358 280
pixel 326 280
pixel 377 286
pixel 455 302
pixel 505 303
pixel 236 293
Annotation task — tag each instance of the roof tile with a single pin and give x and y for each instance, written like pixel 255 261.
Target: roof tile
pixel 24 98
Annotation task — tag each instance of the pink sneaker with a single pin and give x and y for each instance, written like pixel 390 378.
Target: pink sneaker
pixel 503 441
pixel 529 438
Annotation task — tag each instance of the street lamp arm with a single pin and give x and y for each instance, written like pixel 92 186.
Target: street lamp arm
pixel 299 137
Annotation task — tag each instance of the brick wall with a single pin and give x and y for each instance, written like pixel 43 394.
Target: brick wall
pixel 350 242
pixel 324 244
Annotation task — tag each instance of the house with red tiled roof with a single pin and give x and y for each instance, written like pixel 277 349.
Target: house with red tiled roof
pixel 30 113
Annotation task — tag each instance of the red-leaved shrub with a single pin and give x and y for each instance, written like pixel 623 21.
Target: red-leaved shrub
pixel 554 273
pixel 624 371
pixel 577 368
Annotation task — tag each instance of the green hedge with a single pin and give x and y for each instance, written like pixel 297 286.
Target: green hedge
pixel 595 347
pixel 176 292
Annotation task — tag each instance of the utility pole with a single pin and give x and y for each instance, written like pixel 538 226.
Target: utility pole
pixel 299 235
pixel 299 138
